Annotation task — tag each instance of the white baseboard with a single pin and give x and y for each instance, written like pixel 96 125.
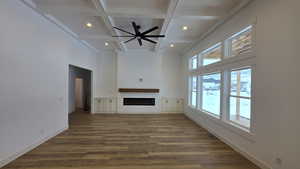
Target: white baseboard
pixel 171 112
pixel 29 148
pixel 104 113
pixel 250 157
pixel 138 113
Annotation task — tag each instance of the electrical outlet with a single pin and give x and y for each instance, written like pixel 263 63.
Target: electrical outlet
pixel 278 161
pixel 61 99
pixel 42 132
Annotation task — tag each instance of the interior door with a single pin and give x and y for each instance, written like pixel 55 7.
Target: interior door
pixel 79 93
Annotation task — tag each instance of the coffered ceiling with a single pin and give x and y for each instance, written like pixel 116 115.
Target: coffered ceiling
pixel 170 15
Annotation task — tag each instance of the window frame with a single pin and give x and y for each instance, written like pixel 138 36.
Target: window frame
pixel 228 41
pixel 225 66
pixel 208 50
pixel 191 62
pixel 200 102
pixel 191 91
pixel 242 97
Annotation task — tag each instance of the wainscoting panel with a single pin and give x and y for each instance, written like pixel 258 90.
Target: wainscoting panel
pixel 105 105
pixel 171 105
pixel 109 105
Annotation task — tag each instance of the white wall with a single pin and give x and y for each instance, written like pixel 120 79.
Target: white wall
pixel 172 76
pixel 123 69
pixel 34 58
pixel 133 65
pixel 159 70
pixel 107 78
pixel 276 82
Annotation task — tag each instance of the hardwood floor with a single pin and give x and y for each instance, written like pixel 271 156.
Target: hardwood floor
pixel 167 141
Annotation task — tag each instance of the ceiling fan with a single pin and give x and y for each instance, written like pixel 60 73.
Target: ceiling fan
pixel 140 35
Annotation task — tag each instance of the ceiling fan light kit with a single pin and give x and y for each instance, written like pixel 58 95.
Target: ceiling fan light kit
pixel 140 36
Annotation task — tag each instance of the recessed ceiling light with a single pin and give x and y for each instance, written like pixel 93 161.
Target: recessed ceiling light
pixel 89 25
pixel 185 28
pixel 106 44
pixel 172 45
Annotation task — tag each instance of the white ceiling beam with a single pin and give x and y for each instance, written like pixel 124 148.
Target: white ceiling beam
pixel 66 7
pixel 108 23
pixel 61 10
pixel 185 40
pixel 136 14
pixel 97 37
pixel 197 17
pixel 205 14
pixel 202 12
pixel 112 13
pixel 173 4
pixel 58 24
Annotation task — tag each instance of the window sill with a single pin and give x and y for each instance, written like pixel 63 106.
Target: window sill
pixel 210 114
pixel 192 107
pixel 235 125
pixel 240 121
pixel 243 132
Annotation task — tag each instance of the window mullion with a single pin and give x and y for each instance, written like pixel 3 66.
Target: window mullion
pixel 190 90
pixel 223 50
pixel 200 92
pixel 200 60
pixel 225 97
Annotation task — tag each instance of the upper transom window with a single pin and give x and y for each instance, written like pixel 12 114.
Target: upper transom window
pixel 240 42
pixel 212 54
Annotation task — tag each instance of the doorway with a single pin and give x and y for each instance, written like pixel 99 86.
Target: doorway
pixel 80 90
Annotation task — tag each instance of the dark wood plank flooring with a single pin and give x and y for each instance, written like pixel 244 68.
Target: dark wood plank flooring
pixel 164 141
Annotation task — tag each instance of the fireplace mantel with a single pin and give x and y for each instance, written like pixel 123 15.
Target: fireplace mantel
pixel 138 90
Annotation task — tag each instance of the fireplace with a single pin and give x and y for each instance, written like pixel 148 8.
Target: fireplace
pixel 139 101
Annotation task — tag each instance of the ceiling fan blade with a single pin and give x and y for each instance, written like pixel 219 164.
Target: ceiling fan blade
pixel 135 27
pixel 154 36
pixel 129 40
pixel 149 40
pixel 140 42
pixel 150 30
pixel 124 36
pixel 123 30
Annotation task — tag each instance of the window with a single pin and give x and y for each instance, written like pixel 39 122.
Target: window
pixel 194 63
pixel 212 54
pixel 240 97
pixel 241 42
pixel 211 92
pixel 193 91
pixel 223 90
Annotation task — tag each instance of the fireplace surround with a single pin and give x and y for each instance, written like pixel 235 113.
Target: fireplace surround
pixel 138 100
